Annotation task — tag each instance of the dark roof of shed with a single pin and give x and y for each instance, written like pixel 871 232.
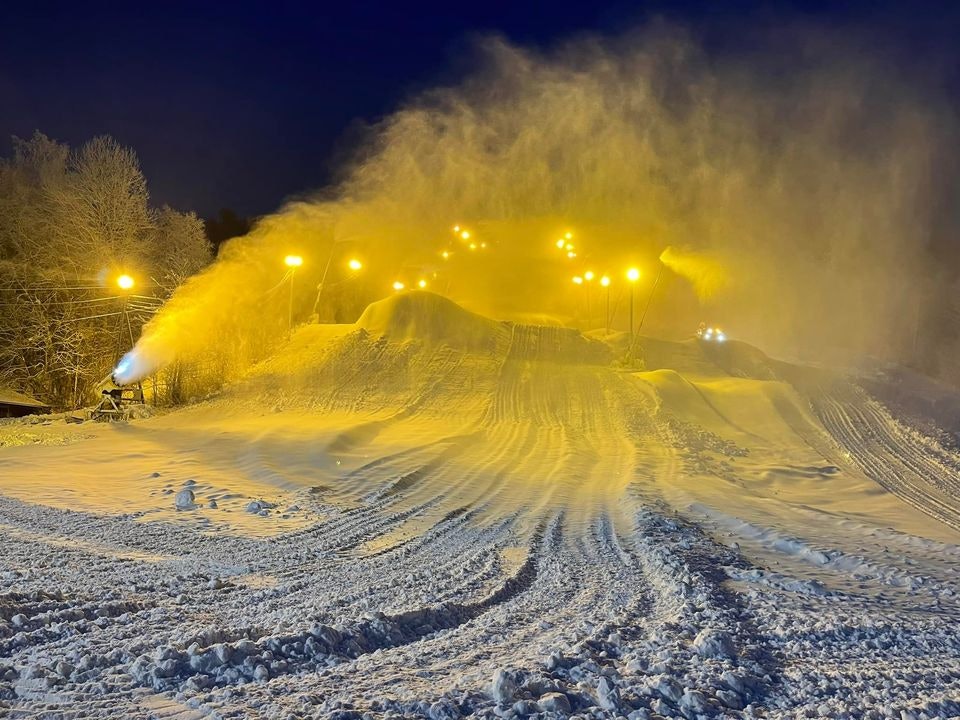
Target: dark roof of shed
pixel 12 397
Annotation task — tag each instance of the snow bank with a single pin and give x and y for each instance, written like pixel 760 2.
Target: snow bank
pixel 428 317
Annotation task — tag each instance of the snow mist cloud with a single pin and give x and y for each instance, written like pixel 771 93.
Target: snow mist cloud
pixel 793 182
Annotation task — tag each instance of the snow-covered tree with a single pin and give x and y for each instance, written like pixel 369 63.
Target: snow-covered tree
pixel 70 221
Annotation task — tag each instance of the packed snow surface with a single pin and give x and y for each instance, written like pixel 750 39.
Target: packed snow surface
pixel 433 514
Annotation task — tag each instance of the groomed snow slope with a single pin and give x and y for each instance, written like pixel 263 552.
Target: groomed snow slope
pixel 458 516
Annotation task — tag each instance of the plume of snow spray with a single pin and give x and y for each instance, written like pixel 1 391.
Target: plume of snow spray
pixel 707 274
pixel 631 144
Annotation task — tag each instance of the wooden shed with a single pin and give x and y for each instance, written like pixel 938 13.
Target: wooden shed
pixel 16 404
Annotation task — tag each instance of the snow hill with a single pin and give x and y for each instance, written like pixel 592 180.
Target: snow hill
pixel 434 514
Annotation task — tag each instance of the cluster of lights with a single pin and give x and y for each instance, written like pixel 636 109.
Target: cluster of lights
pixel 400 286
pixel 291 261
pixel 465 235
pixel 564 244
pixel 712 334
pixel 589 276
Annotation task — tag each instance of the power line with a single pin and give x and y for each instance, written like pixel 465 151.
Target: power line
pixel 52 288
pixel 91 317
pixel 34 301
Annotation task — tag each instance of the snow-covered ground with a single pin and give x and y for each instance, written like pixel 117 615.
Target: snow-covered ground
pixel 432 514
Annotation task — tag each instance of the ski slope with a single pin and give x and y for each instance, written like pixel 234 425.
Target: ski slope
pixel 456 516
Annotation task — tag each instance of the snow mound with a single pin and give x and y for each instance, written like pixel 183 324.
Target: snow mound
pixel 740 359
pixel 431 318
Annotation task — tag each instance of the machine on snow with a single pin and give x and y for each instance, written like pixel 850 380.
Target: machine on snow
pixel 116 400
pixel 710 334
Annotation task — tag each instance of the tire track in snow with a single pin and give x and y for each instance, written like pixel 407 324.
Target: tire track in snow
pixel 870 440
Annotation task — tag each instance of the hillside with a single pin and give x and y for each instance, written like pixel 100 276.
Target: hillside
pixel 432 513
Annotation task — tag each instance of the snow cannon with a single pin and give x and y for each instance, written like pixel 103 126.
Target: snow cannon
pixel 119 392
pixel 130 370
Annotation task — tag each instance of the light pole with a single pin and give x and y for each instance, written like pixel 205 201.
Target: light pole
pixel 650 297
pixel 353 264
pixel 577 280
pixel 292 262
pixel 125 283
pixel 605 282
pixel 588 278
pixel 632 275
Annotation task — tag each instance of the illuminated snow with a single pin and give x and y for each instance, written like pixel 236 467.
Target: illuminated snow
pixel 430 512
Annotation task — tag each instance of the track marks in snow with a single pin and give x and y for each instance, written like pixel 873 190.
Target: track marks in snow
pixel 912 467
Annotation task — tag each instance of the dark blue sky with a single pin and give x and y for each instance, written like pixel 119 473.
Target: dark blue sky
pixel 243 104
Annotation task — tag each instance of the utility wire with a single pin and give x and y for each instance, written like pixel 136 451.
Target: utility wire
pixel 91 317
pixel 52 288
pixel 34 301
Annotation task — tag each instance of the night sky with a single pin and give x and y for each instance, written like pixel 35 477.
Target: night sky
pixel 243 105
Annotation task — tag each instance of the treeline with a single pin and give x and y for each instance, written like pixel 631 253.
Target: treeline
pixel 71 222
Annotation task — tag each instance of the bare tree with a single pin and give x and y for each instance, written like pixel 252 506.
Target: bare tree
pixel 179 247
pixel 69 222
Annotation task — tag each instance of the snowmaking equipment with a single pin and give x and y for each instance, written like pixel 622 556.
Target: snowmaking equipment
pixel 117 401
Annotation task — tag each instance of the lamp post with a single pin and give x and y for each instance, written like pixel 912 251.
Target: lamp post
pixel 577 280
pixel 125 283
pixel 588 277
pixel 650 297
pixel 605 283
pixel 353 265
pixel 292 262
pixel 632 275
